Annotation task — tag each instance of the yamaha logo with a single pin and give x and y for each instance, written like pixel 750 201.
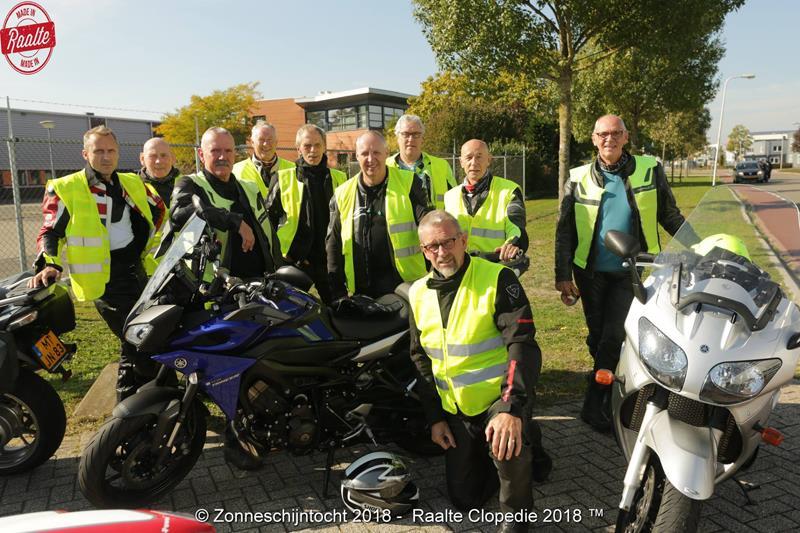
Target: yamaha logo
pixel 180 362
pixel 704 348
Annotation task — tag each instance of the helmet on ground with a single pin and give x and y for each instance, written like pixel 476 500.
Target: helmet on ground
pixel 724 241
pixel 379 480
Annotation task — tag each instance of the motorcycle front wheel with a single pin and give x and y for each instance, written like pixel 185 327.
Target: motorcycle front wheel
pixel 118 468
pixel 658 507
pixel 32 423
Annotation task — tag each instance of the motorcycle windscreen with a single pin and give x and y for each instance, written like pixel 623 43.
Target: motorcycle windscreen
pixel 183 244
pixel 737 249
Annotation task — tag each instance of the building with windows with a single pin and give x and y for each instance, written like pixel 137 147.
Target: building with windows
pixel 774 146
pixel 343 115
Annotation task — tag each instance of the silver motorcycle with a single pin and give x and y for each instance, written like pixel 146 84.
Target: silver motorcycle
pixel 711 337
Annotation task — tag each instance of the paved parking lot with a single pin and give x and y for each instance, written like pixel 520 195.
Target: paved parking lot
pixel 581 495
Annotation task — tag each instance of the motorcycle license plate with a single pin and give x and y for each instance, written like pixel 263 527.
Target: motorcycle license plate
pixel 50 350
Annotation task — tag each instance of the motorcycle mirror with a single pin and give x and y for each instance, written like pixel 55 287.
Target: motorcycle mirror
pixel 622 244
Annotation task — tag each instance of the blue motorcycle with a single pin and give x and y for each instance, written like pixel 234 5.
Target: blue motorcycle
pixel 287 372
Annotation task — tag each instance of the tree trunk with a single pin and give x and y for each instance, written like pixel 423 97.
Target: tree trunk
pixel 564 129
pixel 633 136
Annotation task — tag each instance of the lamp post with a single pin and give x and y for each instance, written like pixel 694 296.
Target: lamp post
pixel 49 125
pixel 719 129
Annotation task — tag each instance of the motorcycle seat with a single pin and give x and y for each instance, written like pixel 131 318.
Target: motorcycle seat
pixel 374 326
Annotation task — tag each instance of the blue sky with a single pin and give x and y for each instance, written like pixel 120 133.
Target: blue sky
pixel 153 55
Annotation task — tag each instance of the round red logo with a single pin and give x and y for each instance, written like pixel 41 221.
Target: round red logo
pixel 28 37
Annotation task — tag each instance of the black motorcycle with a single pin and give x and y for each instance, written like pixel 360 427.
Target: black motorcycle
pixel 32 417
pixel 287 372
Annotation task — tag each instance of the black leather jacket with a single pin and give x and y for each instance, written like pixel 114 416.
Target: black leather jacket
pixel 668 215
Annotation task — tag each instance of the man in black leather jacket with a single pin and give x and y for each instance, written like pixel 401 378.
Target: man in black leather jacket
pixel 609 193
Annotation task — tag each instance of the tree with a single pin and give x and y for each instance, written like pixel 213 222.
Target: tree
pixel 228 108
pixel 555 40
pixel 796 141
pixel 739 140
pixel 681 134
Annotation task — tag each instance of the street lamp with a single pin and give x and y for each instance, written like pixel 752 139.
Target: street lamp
pixel 719 129
pixel 49 125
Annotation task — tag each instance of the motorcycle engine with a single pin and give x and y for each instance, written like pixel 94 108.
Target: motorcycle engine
pixel 281 422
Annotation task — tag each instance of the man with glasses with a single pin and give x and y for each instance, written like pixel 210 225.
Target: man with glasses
pixel 372 244
pixel 264 164
pixel 473 344
pixel 490 209
pixel 616 191
pixel 434 173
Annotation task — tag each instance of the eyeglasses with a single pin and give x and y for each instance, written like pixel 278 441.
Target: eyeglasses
pixel 445 245
pixel 615 134
pixel 410 134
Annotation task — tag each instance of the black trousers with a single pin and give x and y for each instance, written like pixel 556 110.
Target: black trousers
pixel 473 474
pixel 606 299
pixel 317 270
pixel 122 291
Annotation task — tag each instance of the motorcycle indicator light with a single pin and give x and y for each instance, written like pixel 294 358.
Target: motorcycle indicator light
pixel 604 377
pixel 772 436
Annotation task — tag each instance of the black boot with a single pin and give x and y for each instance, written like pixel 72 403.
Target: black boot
pixel 236 455
pixel 542 465
pixel 593 412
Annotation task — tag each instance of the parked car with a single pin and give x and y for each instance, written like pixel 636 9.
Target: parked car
pixel 748 171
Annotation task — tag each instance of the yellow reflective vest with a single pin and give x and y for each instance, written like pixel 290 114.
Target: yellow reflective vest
pixel 292 191
pixel 469 358
pixel 439 171
pixel 253 198
pixel 246 170
pixel 588 196
pixel 150 262
pixel 490 227
pixel 86 237
pixel 408 258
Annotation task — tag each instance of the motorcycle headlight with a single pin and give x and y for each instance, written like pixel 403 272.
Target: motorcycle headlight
pixel 664 359
pixel 738 381
pixel 137 333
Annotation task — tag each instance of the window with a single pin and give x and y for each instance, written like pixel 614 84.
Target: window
pixel 363 115
pixel 256 118
pixel 342 119
pixel 777 148
pixel 389 113
pixel 375 116
pixel 318 118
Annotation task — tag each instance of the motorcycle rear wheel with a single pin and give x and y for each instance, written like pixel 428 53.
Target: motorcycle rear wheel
pixel 117 468
pixel 33 423
pixel 658 507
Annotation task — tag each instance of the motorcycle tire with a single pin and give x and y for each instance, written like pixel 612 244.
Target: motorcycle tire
pixel 34 405
pixel 122 450
pixel 658 507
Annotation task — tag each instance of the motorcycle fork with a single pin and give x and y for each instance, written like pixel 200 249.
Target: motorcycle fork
pixel 169 415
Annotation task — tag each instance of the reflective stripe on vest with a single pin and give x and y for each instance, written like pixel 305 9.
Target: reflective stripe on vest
pixel 150 262
pixel 86 237
pixel 292 191
pixel 438 170
pixel 469 358
pixel 245 170
pixel 253 198
pixel 490 228
pixel 402 229
pixel 588 197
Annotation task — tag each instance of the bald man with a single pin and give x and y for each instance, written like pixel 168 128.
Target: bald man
pixel 489 209
pixel 616 191
pixel 372 243
pixel 234 208
pixel 264 164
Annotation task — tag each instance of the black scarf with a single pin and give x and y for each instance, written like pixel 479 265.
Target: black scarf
pixel 615 168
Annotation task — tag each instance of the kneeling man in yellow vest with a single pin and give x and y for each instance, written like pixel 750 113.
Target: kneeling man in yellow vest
pixel 490 209
pixel 473 344
pixel 372 243
pixel 298 207
pixel 107 220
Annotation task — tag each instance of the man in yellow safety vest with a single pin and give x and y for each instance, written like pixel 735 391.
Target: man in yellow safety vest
pixel 616 191
pixel 264 164
pixel 434 173
pixel 298 206
pixel 107 220
pixel 372 243
pixel 489 209
pixel 473 343
pixel 158 173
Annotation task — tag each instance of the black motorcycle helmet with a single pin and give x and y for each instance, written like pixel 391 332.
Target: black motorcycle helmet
pixel 379 480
